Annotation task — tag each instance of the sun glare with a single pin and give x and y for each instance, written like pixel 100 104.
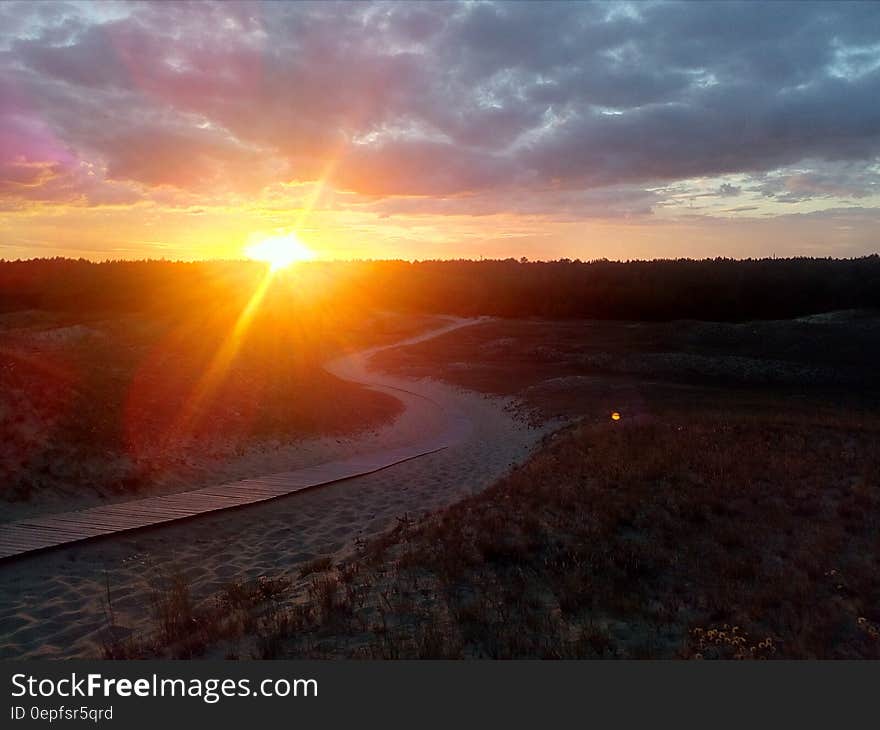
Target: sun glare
pixel 279 251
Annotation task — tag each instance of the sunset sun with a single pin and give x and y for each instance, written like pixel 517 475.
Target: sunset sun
pixel 279 251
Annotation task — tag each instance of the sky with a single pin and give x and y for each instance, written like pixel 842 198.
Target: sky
pixel 440 130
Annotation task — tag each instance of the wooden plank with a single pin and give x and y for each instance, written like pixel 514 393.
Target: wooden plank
pixel 77 518
pixel 37 531
pixel 262 492
pixel 221 496
pixel 181 504
pixel 19 545
pixel 160 510
pixel 238 492
pixel 151 507
pixel 42 532
pixel 111 521
pixel 36 544
pixel 38 536
pixel 105 512
pixel 147 511
pixel 239 497
pixel 97 522
pixel 64 520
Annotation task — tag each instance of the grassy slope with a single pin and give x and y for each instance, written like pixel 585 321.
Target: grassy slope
pixel 638 539
pixel 95 405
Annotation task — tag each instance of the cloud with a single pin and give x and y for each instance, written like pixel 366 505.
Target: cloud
pixel 841 180
pixel 485 106
pixel 620 202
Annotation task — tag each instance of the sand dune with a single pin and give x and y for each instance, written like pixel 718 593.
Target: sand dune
pixel 54 604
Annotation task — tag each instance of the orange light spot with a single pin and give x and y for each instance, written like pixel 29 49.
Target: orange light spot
pixel 615 416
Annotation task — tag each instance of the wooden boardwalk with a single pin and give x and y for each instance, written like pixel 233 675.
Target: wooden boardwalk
pixel 54 530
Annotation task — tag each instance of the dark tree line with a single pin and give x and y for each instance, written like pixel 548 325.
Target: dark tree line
pixel 711 289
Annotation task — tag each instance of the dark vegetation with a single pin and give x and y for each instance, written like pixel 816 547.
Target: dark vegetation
pixel 577 368
pixel 716 289
pixel 730 513
pixel 702 534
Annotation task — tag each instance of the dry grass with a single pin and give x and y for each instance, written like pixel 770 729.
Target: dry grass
pixel 184 628
pixel 99 407
pixel 702 535
pixel 699 535
pixel 567 368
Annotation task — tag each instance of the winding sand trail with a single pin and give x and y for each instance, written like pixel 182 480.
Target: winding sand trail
pixel 449 424
pixel 447 443
pixel 47 531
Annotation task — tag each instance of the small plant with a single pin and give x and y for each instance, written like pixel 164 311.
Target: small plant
pixel 318 565
pixel 728 642
pixel 869 627
pixel 172 606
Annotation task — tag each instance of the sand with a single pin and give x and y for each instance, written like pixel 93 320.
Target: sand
pixel 54 604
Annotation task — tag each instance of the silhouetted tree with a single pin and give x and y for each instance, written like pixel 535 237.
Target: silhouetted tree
pixel 712 289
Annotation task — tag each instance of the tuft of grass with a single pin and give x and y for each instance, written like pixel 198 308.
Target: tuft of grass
pixel 318 565
pixel 184 628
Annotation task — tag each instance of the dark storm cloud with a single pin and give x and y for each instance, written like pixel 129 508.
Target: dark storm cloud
pixel 436 98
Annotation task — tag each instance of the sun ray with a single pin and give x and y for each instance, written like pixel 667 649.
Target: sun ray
pixel 220 363
pixel 278 251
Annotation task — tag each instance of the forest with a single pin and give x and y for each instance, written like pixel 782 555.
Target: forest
pixel 659 290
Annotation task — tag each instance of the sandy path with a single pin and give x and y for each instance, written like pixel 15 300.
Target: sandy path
pixel 53 604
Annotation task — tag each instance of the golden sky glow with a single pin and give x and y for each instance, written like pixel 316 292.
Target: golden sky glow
pixel 420 130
